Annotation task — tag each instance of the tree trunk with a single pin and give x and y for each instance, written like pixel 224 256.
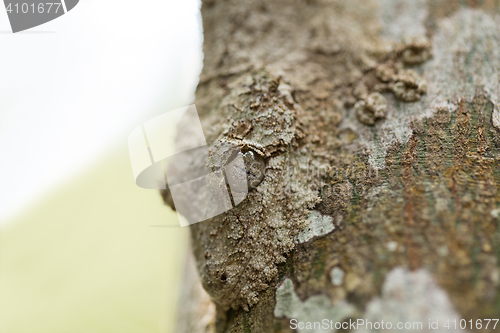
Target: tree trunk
pixel 380 129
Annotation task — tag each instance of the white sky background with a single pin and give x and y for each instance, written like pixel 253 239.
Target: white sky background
pixel 73 88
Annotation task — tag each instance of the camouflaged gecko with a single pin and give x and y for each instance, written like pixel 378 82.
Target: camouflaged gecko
pixel 238 251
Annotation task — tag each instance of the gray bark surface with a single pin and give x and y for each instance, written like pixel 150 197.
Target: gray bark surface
pixel 379 125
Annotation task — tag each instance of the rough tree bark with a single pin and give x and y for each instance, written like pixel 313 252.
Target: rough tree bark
pixel 380 128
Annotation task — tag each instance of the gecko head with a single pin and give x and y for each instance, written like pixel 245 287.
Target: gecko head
pixel 243 166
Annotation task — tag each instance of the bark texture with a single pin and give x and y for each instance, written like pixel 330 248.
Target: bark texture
pixel 379 124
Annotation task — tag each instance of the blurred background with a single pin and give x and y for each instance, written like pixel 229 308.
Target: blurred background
pixel 80 246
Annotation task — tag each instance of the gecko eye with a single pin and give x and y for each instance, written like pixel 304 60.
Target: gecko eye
pixel 245 172
pixel 244 169
pixel 255 168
